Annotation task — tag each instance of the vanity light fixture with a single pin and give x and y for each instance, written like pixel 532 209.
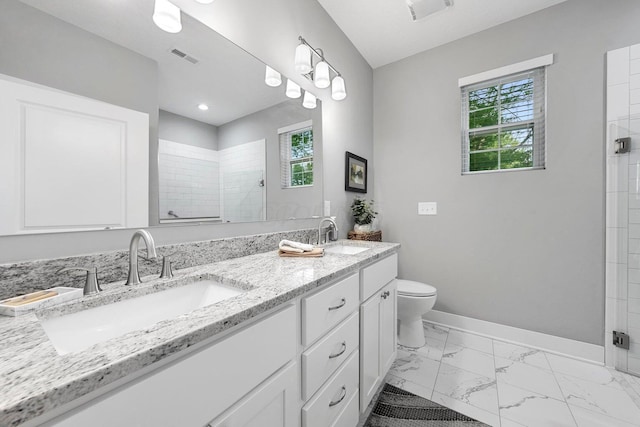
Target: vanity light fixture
pixel 166 16
pixel 303 59
pixel 309 100
pixel 338 90
pixel 321 76
pixel 272 77
pixel 293 90
pixel 203 107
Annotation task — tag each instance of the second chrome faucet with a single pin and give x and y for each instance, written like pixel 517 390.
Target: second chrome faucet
pixel 332 233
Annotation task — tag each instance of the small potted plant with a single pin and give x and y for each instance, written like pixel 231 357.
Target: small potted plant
pixel 363 214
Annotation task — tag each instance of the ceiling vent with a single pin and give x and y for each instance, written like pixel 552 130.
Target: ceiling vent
pixel 422 8
pixel 185 56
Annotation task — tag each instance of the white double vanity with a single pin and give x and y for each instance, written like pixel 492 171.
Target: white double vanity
pixel 307 343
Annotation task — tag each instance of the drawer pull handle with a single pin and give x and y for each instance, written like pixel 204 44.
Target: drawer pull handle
pixel 343 302
pixel 335 402
pixel 341 352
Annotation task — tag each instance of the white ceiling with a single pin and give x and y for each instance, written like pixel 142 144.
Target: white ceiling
pixel 227 78
pixel 383 31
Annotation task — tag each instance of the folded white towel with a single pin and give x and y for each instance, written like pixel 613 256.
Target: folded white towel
pixel 289 249
pixel 292 246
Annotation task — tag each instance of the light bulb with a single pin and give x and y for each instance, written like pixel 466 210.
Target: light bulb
pixel 338 90
pixel 293 90
pixel 166 16
pixel 272 77
pixel 309 100
pixel 321 75
pixel 303 59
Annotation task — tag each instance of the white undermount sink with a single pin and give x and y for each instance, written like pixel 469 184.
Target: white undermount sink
pixel 345 249
pixel 81 330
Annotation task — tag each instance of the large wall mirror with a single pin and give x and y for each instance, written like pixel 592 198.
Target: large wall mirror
pixel 252 155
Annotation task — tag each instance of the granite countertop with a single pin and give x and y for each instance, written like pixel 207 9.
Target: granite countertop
pixel 36 379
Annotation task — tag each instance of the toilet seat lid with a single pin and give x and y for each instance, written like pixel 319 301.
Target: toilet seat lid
pixel 415 289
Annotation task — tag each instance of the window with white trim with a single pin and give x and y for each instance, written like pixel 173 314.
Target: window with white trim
pixel 296 155
pixel 503 121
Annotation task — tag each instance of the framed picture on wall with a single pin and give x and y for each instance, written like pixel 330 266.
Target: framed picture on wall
pixel 355 175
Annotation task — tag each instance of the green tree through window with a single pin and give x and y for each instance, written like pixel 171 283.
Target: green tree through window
pixel 501 117
pixel 300 157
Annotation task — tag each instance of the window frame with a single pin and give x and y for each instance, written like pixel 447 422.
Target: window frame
pixel 287 162
pixel 536 68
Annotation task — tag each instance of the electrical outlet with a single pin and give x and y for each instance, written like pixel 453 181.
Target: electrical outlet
pixel 427 208
pixel 327 208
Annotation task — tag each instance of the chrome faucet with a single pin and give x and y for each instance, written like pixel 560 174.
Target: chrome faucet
pixel 333 224
pixel 91 285
pixel 134 275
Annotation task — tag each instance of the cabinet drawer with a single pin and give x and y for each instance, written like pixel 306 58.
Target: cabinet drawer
pixel 324 357
pixel 325 407
pixel 350 415
pixel 379 274
pixel 325 309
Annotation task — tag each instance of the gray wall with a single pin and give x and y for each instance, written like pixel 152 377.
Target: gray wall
pixel 282 203
pixel 347 124
pixel 524 249
pixel 184 130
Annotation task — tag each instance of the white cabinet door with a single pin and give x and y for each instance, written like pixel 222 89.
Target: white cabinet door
pixel 272 404
pixel 388 322
pixel 369 349
pixel 377 341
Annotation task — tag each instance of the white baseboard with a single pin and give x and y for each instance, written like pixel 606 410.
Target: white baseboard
pixel 563 346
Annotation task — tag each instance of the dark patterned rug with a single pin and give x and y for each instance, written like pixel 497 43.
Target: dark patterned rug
pixel 399 408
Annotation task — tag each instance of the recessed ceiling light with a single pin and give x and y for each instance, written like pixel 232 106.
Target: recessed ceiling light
pixel 203 107
pixel 205 1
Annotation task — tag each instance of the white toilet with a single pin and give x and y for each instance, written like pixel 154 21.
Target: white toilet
pixel 414 300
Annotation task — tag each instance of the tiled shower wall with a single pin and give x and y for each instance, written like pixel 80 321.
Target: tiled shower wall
pixel 623 208
pixel 243 185
pixel 189 181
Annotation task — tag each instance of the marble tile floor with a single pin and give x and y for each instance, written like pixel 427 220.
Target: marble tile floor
pixel 506 385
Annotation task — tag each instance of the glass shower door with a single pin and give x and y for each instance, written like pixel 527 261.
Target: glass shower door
pixel 622 309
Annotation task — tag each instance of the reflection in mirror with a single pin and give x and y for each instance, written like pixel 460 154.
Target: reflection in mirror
pixel 112 52
pixel 250 169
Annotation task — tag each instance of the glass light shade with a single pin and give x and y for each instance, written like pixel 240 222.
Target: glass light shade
pixel 321 75
pixel 338 90
pixel 293 90
pixel 272 77
pixel 166 16
pixel 303 59
pixel 309 100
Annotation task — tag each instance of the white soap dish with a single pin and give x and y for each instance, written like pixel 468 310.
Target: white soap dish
pixel 17 306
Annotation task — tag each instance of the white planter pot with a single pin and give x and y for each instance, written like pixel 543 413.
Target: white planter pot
pixel 362 228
